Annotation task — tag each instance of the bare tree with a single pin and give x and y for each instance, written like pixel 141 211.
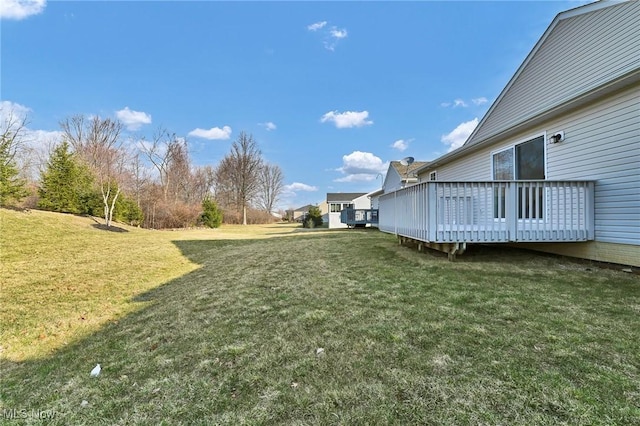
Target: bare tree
pixel 224 192
pixel 170 157
pixel 175 198
pixel 238 174
pixel 97 141
pixel 271 186
pixel 202 182
pixel 139 179
pixel 12 129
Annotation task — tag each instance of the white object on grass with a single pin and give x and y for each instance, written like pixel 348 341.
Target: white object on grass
pixel 95 371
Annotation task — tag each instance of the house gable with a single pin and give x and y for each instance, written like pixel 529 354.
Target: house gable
pixel 582 50
pixel 397 174
pixel 585 54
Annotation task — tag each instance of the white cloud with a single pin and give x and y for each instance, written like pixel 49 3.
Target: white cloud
pixel 361 166
pixel 464 104
pixel 457 137
pixel 401 144
pixel 269 125
pixel 316 26
pixel 13 111
pixel 213 133
pixel 358 177
pixel 331 35
pixel 43 138
pixel 35 145
pixel 133 119
pixel 21 9
pixel 347 119
pixel 336 33
pixel 459 103
pixel 298 186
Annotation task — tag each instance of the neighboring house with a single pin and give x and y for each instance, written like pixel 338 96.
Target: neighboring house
pixel 398 176
pixel 339 201
pixel 554 165
pixel 299 213
pixel 324 210
pixel 374 196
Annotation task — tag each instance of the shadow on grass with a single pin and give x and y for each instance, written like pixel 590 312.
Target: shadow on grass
pixel 234 342
pixel 112 228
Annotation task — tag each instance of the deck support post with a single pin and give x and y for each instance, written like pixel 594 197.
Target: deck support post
pixel 455 249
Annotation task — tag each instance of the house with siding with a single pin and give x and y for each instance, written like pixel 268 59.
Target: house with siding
pixel 397 176
pixel 339 201
pixel 554 165
pixel 299 213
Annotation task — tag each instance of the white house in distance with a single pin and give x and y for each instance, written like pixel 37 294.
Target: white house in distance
pixel 554 165
pixel 300 212
pixel 398 176
pixel 339 201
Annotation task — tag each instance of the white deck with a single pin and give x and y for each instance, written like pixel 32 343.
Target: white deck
pixel 491 211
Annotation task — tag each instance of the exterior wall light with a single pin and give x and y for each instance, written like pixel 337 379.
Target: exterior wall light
pixel 556 137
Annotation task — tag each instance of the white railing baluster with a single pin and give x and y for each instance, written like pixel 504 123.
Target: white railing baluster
pixel 490 211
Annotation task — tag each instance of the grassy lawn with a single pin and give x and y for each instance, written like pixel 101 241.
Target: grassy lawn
pixel 225 326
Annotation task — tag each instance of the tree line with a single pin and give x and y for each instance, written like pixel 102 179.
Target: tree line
pixel 151 183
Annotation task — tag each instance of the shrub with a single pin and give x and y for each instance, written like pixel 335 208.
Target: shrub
pixel 211 215
pixel 128 211
pixel 313 218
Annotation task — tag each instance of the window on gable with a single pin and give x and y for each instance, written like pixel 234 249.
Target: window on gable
pixel 433 176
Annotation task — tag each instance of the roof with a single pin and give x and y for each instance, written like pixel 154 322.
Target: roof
pixel 585 53
pixel 343 196
pixel 304 208
pixel 376 193
pixel 410 170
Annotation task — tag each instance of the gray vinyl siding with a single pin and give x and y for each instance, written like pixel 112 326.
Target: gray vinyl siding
pixel 602 143
pixel 392 180
pixel 579 54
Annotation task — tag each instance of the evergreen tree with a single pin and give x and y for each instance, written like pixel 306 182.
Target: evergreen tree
pixel 127 211
pixel 313 218
pixel 12 187
pixel 211 215
pixel 66 184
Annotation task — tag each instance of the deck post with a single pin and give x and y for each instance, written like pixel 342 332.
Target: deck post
pixel 432 208
pixel 590 211
pixel 395 212
pixel 512 211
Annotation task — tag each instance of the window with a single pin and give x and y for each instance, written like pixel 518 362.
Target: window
pixel 338 207
pixel 524 161
pixel 433 176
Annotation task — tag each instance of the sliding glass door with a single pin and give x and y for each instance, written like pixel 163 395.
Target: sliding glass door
pixel 524 161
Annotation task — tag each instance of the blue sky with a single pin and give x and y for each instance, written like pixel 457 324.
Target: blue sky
pixel 331 91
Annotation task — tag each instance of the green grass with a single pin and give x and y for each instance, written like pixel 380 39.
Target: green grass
pixel 223 327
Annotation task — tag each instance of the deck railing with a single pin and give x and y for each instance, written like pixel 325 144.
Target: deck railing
pixel 491 211
pixel 355 217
